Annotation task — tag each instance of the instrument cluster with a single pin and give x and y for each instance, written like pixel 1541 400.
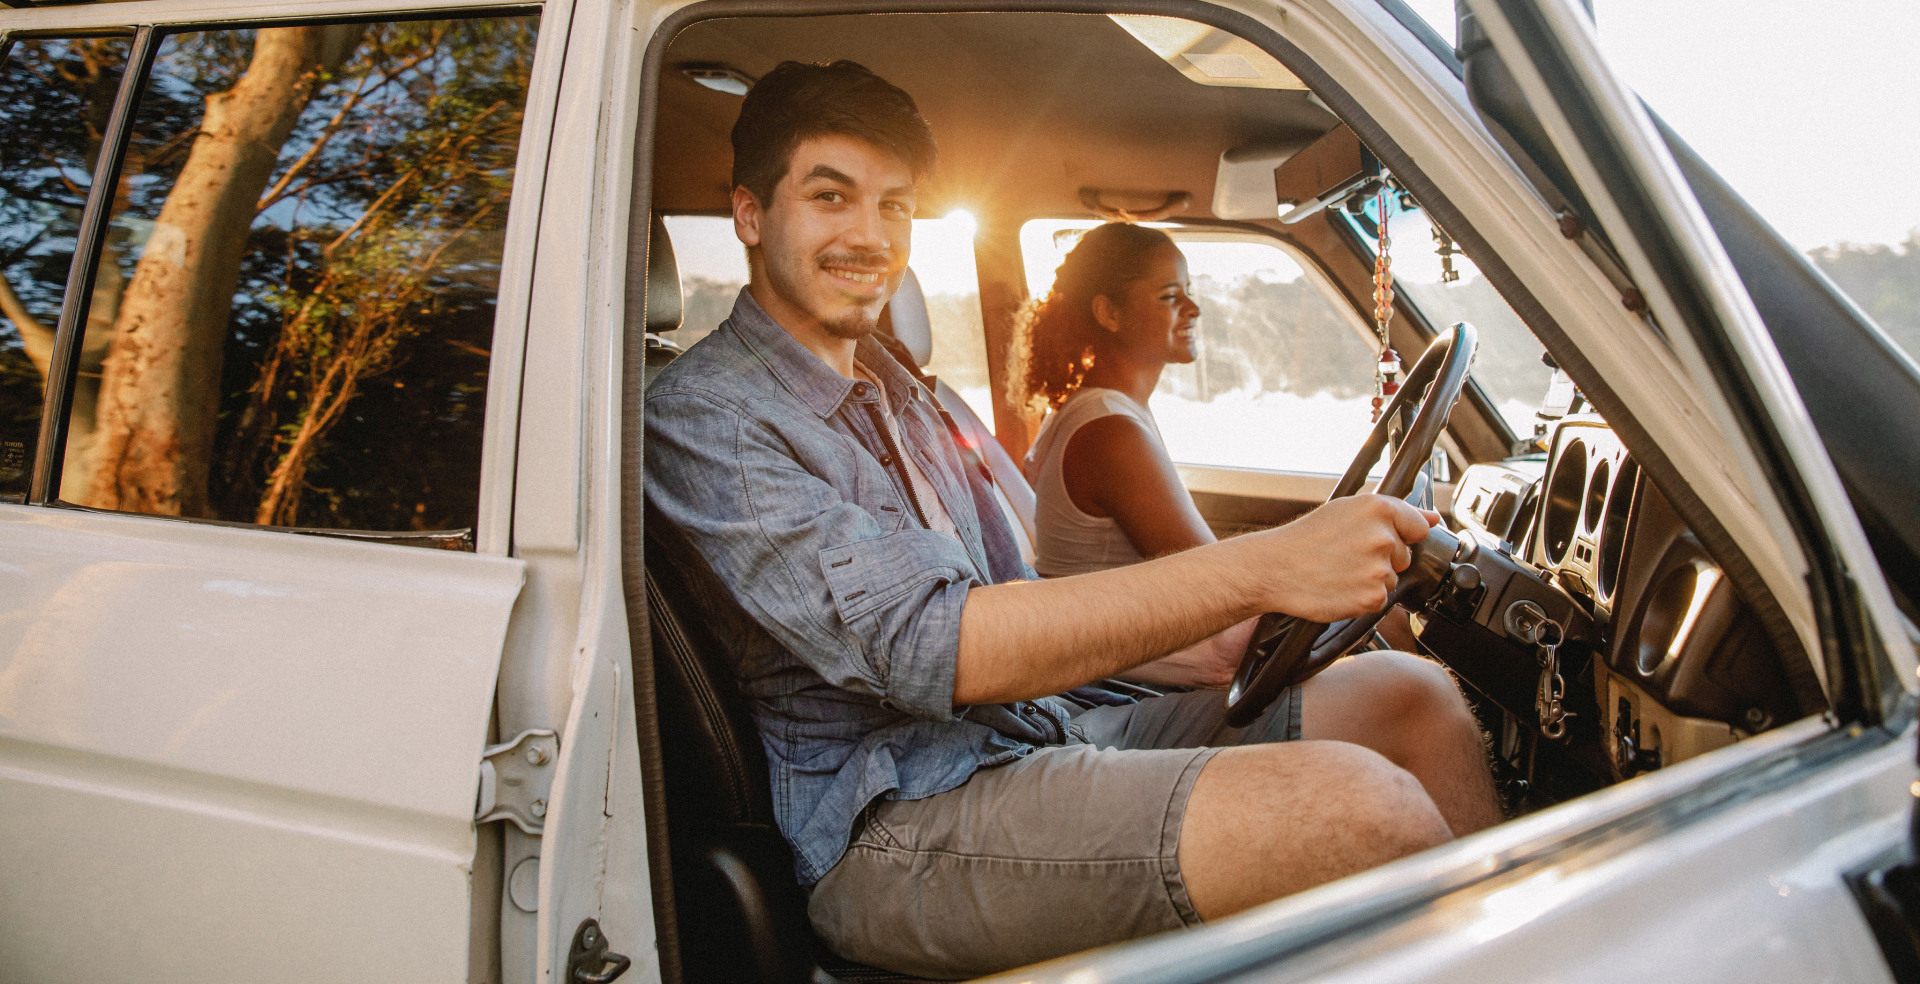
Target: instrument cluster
pixel 1584 510
pixel 1663 660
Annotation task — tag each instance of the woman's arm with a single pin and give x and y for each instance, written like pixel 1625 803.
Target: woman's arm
pixel 1113 467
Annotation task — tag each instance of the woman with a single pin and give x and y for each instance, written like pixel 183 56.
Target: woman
pixel 1091 354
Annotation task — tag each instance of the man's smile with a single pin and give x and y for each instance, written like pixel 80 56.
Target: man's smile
pixel 857 276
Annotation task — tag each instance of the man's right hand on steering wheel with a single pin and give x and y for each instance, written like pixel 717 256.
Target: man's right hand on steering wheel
pixel 1342 559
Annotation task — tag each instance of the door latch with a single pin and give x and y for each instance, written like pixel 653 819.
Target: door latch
pixel 589 961
pixel 516 778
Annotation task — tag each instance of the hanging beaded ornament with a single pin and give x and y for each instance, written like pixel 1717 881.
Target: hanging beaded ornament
pixel 1386 375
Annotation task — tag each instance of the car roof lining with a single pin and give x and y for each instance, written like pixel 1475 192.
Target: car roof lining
pixel 1028 108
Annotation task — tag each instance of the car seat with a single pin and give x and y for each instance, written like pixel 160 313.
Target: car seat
pixel 906 321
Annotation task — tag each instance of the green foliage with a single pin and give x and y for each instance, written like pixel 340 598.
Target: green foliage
pixel 1274 336
pixel 1884 281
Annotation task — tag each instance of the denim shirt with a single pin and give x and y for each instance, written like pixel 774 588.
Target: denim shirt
pixel 779 473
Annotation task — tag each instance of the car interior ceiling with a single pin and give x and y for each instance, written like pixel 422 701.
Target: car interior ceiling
pixel 1031 110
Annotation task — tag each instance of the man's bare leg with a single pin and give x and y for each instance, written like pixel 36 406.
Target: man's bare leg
pixel 1409 710
pixel 1265 821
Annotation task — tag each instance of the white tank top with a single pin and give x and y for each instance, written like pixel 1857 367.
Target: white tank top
pixel 1070 541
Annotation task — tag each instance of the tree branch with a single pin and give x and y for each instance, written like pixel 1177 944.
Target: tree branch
pixel 35 336
pixel 359 95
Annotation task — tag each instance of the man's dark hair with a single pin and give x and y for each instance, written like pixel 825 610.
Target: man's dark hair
pixel 796 102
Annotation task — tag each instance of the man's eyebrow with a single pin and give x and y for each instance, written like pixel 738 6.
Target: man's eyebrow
pixel 828 172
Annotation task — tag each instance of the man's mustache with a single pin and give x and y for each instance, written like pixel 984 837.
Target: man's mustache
pixel 862 262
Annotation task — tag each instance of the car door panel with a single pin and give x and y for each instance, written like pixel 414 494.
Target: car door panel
pixel 237 754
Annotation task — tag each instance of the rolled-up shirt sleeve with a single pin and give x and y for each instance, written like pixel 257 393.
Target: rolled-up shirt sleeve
pixel 870 610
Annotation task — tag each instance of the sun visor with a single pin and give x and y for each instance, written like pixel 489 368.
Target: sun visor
pixel 1327 171
pixel 1243 184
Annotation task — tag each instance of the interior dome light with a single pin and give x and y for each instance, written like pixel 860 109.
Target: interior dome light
pixel 719 78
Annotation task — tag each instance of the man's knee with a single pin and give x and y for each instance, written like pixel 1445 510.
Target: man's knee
pixel 1363 806
pixel 1388 812
pixel 1409 688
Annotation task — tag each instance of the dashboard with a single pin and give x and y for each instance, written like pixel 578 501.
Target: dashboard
pixel 1651 658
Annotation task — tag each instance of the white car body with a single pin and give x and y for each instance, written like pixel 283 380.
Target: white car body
pixel 231 754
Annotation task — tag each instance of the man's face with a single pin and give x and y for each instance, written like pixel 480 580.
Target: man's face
pixel 832 245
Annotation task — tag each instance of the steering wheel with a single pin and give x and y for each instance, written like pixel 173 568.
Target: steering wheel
pixel 1286 650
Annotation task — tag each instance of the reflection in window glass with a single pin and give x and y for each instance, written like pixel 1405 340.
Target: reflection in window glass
pixel 1283 378
pixel 303 266
pixel 1507 364
pixel 713 269
pixel 55 96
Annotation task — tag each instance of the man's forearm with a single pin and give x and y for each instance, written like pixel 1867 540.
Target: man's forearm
pixel 1030 639
pixel 1020 641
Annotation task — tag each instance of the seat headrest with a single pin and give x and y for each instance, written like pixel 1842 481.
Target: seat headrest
pixel 906 320
pixel 664 310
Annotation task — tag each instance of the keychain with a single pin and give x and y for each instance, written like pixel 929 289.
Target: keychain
pixel 1528 623
pixel 1444 245
pixel 1553 687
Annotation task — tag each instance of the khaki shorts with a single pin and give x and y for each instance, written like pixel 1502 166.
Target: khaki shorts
pixel 1071 847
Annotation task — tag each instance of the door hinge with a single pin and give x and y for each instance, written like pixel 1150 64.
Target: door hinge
pixel 516 778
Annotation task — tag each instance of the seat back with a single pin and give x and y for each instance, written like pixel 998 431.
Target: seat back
pixel 907 321
pixel 665 308
pixel 742 916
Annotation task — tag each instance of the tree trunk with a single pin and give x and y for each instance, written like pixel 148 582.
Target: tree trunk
pixel 160 388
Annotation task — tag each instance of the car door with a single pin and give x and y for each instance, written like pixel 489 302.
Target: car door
pixel 242 722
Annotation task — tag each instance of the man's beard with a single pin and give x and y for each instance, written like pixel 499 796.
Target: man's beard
pixel 855 323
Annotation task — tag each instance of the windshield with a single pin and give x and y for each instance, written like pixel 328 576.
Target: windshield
pixel 1824 124
pixel 1508 366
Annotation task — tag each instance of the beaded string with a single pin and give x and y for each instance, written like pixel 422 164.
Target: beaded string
pixel 1386 374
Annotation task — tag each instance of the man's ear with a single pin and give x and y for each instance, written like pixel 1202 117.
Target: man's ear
pixel 1104 312
pixel 747 215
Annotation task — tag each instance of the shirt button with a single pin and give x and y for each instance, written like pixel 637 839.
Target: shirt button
pixel 860 390
pixel 1028 709
pixel 886 461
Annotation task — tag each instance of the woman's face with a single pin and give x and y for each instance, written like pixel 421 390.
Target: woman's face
pixel 1152 320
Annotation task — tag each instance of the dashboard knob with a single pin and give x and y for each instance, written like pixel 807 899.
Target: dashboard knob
pixel 1465 578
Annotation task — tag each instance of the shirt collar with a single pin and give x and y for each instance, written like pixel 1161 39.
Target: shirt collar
pixel 806 375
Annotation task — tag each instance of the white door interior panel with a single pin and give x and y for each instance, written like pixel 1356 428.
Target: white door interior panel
pixel 237 754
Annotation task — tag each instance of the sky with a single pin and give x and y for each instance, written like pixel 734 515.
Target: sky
pixel 1810 110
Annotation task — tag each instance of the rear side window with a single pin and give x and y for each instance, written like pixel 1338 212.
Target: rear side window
pixel 1283 377
pixel 292 310
pixel 713 269
pixel 55 97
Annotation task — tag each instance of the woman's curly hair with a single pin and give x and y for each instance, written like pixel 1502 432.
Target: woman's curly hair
pixel 1056 339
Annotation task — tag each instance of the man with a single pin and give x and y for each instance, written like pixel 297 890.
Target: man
pixel 952 815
